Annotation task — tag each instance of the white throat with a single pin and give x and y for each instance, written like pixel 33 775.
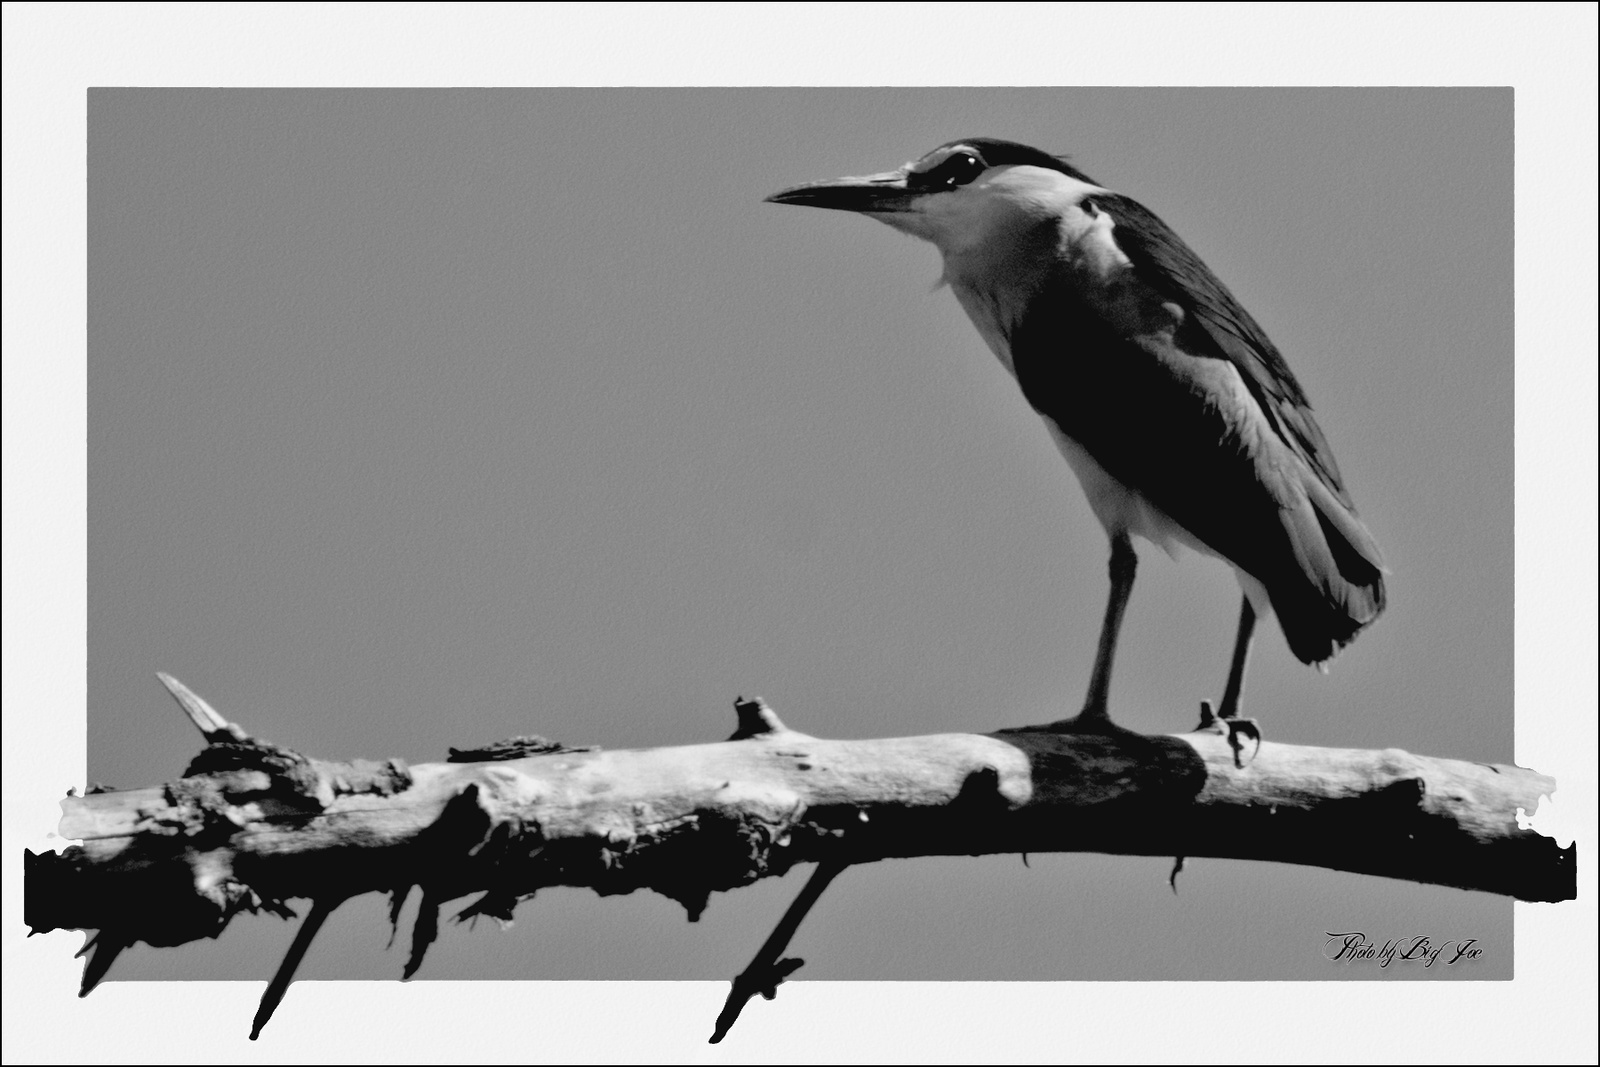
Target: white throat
pixel 1003 234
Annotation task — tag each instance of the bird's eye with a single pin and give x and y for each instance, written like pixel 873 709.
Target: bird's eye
pixel 958 168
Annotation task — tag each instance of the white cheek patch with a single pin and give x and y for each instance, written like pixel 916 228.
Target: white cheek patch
pixel 1046 191
pixel 1003 202
pixel 957 221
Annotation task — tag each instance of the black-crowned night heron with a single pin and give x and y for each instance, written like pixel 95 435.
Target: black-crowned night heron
pixel 1181 419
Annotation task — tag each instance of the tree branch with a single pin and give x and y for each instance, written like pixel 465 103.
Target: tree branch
pixel 251 824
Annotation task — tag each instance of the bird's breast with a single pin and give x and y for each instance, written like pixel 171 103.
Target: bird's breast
pixel 1119 507
pixel 993 313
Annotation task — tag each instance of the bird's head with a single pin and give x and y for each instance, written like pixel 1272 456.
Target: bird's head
pixel 958 196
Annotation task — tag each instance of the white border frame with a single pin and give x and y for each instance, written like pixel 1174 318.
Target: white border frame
pixel 52 53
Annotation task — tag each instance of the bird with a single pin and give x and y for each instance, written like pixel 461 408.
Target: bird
pixel 1180 418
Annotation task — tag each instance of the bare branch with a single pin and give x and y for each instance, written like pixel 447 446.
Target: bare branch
pixel 252 824
pixel 320 910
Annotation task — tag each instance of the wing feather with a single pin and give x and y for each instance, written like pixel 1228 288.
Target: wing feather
pixel 1206 422
pixel 1166 263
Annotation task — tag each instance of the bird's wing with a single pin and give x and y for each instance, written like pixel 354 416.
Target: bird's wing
pixel 1204 421
pixel 1223 329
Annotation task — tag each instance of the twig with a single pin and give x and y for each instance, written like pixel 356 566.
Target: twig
pixel 102 949
pixel 767 971
pixel 321 908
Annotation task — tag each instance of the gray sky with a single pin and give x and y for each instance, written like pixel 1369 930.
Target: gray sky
pixel 421 418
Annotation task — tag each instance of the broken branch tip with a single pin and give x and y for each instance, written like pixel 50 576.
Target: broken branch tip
pixel 756 719
pixel 206 719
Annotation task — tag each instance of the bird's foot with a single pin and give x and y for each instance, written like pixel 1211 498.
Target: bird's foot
pixel 1234 727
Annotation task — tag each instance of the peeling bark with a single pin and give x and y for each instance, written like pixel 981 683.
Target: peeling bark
pixel 251 825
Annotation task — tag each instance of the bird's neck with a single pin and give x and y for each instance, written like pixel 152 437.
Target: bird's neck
pixel 996 281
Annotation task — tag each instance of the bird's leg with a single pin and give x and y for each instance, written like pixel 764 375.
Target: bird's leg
pixel 1124 562
pixel 1241 656
pixel 1226 719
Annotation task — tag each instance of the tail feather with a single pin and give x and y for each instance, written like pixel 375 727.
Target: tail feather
pixel 1334 588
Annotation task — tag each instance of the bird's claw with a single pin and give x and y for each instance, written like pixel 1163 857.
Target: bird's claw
pixel 1234 727
pixel 1247 728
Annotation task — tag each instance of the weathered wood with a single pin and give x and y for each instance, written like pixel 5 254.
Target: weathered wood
pixel 253 825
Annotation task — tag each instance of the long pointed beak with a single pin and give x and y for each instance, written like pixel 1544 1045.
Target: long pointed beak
pixel 874 193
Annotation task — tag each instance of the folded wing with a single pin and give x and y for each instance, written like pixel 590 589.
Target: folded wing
pixel 1206 422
